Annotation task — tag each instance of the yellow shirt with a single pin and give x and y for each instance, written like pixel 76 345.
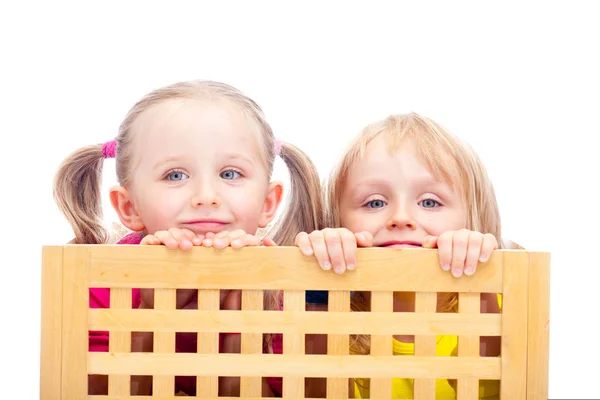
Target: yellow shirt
pixel 402 388
pixel 446 346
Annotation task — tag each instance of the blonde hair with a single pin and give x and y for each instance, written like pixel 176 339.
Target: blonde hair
pixel 78 180
pixel 448 159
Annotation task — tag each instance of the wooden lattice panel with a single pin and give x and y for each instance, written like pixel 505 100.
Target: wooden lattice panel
pixel 69 271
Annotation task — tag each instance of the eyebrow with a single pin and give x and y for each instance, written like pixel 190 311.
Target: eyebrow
pixel 240 157
pixel 160 164
pixel 425 180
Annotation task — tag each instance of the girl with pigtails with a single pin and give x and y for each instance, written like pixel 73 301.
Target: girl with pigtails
pixel 194 162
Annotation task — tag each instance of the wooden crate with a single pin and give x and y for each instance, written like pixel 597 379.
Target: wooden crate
pixel 69 271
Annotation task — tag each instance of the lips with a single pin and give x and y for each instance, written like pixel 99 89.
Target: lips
pixel 400 244
pixel 205 225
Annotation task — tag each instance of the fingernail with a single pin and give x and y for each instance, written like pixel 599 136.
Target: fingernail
pixel 236 242
pixel 218 243
pixel 469 270
pixel 326 266
pixel 483 258
pixel 307 251
pixel 338 269
pixel 350 267
pixel 446 267
pixel 457 273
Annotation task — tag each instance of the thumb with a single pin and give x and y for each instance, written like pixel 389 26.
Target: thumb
pixel 364 239
pixel 430 242
pixel 268 242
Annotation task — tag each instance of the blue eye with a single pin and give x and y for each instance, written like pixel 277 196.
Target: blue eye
pixel 429 203
pixel 230 174
pixel 176 176
pixel 376 204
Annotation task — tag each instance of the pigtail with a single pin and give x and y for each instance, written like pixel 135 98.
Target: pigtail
pixel 304 212
pixel 77 193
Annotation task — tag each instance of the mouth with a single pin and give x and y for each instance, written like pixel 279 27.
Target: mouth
pixel 398 244
pixel 205 225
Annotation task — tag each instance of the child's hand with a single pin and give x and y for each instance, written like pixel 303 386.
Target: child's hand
pixel 335 247
pixel 461 250
pixel 185 239
pixel 235 239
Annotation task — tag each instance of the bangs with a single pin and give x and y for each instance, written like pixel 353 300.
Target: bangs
pixel 433 147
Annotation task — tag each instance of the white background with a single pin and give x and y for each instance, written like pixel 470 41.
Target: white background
pixel 519 82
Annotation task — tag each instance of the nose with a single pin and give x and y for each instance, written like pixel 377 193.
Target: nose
pixel 206 195
pixel 401 219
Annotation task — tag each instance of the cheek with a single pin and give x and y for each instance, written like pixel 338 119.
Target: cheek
pixel 445 222
pixel 357 221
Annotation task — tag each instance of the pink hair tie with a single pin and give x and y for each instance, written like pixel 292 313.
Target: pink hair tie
pixel 109 149
pixel 277 147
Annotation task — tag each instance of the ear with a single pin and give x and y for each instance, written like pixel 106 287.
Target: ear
pixel 272 202
pixel 121 201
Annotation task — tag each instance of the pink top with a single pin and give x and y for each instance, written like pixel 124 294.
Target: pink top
pixel 184 343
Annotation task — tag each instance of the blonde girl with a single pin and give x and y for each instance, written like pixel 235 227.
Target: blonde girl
pixel 405 182
pixel 194 163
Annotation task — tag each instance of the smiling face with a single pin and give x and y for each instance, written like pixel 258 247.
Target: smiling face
pixel 395 197
pixel 197 164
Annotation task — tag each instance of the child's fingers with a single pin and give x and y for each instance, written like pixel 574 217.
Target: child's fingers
pixel 150 240
pixel 222 234
pixel 473 252
pixel 237 234
pixel 430 242
pixel 225 238
pixel 183 242
pixel 348 248
pixel 192 237
pixel 364 239
pixel 317 241
pixel 459 251
pixel 167 239
pixel 444 245
pixel 246 240
pixel 303 242
pixel 268 242
pixel 221 239
pixel 333 241
pixel 489 244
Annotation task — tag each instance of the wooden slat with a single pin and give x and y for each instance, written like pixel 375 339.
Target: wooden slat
pixel 468 345
pixel 208 343
pixel 252 344
pixel 119 342
pixel 163 384
pixel 338 344
pixel 538 328
pixel 514 326
pixel 293 343
pixel 298 321
pixel 404 270
pixel 52 303
pixel 321 366
pixel 381 345
pixel 424 388
pixel 76 298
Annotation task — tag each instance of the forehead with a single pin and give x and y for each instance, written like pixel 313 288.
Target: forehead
pixel 377 158
pixel 387 155
pixel 195 125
